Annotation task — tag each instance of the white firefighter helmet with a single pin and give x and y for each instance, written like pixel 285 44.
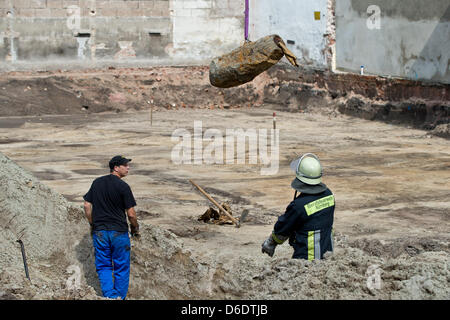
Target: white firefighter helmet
pixel 308 174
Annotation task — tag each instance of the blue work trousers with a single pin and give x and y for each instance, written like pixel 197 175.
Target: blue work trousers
pixel 112 262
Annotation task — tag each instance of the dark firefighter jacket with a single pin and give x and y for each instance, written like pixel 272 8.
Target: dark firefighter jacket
pixel 308 223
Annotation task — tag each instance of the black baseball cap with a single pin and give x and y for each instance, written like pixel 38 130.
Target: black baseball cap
pixel 118 161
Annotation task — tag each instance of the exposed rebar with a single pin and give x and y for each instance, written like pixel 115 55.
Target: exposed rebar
pixel 24 259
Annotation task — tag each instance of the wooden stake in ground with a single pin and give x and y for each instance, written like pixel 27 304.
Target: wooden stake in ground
pixel 236 222
pixel 151 112
pixel 246 62
pixel 274 121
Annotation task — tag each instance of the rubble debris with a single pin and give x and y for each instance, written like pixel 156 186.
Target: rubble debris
pixel 216 217
pixel 222 209
pixel 442 130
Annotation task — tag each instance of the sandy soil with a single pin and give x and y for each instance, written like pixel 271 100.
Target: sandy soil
pixel 390 183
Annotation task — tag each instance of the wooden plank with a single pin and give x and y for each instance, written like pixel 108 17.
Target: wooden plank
pixel 215 203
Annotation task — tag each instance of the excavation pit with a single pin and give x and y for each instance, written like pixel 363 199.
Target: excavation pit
pixel 389 182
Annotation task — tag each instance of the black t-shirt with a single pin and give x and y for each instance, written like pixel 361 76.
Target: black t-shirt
pixel 110 197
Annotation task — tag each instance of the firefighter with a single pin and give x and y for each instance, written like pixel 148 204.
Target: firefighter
pixel 308 219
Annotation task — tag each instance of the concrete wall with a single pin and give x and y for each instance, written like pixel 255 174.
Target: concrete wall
pixel 408 39
pixel 206 28
pixel 294 21
pixel 175 31
pixel 83 29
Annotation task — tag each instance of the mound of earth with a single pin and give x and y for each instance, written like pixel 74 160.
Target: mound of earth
pixel 442 130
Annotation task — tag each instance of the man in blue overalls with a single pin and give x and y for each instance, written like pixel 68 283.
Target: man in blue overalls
pixel 308 219
pixel 105 205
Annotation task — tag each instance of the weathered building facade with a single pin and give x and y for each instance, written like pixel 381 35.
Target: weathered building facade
pixel 409 39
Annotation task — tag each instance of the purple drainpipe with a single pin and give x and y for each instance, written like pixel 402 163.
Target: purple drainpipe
pixel 246 19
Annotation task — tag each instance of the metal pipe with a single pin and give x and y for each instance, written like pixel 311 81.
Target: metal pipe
pixel 247 10
pixel 24 259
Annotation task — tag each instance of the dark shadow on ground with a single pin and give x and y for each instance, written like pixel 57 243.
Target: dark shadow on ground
pixel 85 255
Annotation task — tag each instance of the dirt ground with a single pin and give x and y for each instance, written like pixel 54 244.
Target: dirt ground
pixel 390 183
